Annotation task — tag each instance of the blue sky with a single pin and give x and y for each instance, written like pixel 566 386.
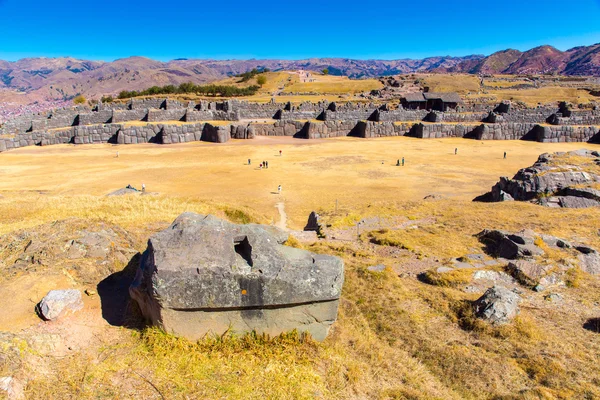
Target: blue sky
pixel 164 30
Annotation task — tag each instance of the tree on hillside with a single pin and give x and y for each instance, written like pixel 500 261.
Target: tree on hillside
pixel 261 80
pixel 79 100
pixel 325 71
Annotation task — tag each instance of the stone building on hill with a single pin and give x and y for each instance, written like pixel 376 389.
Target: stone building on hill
pixel 431 101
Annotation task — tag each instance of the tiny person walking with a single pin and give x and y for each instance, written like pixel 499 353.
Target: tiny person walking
pixel 505 155
pixel 279 189
pixel 403 161
pixel 249 161
pixel 455 150
pixel 143 188
pixel 279 153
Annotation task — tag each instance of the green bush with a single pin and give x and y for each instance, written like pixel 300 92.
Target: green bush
pixel 79 99
pixel 184 88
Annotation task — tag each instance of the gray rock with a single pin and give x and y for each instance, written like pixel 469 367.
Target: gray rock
pixel 555 242
pixel 123 192
pixel 549 184
pixel 589 260
pixel 376 268
pixel 314 224
pixel 506 245
pixel 203 275
pixel 498 305
pixel 539 288
pixel 493 276
pixel 475 257
pixel 553 297
pixel 528 273
pixel 60 302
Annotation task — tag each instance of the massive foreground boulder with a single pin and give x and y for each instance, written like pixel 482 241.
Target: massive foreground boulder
pixel 204 276
pixel 569 180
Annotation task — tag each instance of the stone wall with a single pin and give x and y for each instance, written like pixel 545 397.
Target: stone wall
pixel 129 115
pixel 556 134
pixel 99 117
pixel 177 114
pixel 436 131
pixel 505 131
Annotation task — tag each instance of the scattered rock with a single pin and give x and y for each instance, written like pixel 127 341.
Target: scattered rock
pixel 434 197
pixel 376 268
pixel 589 260
pixel 314 224
pixel 493 276
pixel 553 297
pixel 460 264
pixel 511 246
pixel 90 292
pixel 555 242
pixel 553 181
pixel 123 192
pixel 89 251
pixel 539 288
pixel 203 275
pixel 498 305
pixel 528 273
pixel 58 303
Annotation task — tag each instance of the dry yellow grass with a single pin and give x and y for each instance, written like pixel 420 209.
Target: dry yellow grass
pixel 313 173
pixel 396 337
pixel 460 83
pixel 545 95
pixel 329 84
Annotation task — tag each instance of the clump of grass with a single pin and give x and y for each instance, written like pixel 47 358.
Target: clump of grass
pixel 574 277
pixel 385 237
pixel 238 216
pixel 292 241
pixel 455 278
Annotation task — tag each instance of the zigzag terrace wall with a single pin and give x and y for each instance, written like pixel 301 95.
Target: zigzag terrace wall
pixel 108 123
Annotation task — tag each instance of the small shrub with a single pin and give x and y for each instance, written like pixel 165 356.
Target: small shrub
pixel 261 80
pixel 79 100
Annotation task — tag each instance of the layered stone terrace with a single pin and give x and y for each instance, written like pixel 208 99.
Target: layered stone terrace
pixel 169 121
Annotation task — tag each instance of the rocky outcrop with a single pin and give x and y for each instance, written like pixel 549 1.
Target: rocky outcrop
pixel 498 305
pixel 535 275
pixel 567 180
pixel 314 224
pixel 203 276
pixel 58 303
pixel 507 245
pixel 589 260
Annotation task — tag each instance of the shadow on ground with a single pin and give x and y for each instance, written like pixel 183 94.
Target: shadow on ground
pixel 592 324
pixel 118 309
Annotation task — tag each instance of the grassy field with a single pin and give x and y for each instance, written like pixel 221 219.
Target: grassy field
pixel 313 174
pixel 396 337
pixel 460 83
pixel 469 87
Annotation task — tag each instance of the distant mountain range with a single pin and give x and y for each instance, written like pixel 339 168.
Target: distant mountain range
pixel 62 78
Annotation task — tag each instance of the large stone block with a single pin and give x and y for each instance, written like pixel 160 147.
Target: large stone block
pixel 203 275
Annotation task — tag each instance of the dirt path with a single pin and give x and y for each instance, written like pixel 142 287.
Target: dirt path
pixel 282 223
